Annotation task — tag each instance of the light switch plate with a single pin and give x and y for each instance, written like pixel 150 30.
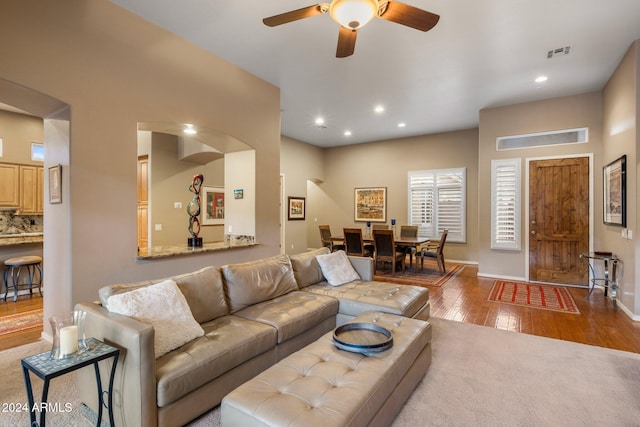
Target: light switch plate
pixel 158 227
pixel 629 234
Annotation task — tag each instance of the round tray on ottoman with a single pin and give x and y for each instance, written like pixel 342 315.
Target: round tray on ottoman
pixel 364 338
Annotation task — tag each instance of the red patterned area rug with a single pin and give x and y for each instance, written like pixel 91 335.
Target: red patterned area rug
pixel 546 297
pixel 20 321
pixel 428 276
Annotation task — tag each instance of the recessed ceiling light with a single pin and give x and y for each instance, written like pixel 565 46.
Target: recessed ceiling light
pixel 379 109
pixel 541 79
pixel 347 133
pixel 319 121
pixel 189 129
pixel 401 125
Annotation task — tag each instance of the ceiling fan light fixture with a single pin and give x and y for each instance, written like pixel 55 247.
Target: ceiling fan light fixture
pixel 353 14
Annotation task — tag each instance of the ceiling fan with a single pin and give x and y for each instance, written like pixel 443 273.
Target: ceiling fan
pixel 354 14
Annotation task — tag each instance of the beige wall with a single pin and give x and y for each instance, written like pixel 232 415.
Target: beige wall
pixel 386 164
pixel 301 165
pixel 621 136
pixel 541 116
pixel 17 132
pixel 114 70
pixel 170 181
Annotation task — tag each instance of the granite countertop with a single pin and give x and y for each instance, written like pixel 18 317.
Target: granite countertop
pixel 155 252
pixel 20 239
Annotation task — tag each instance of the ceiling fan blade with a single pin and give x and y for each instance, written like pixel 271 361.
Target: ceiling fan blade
pixel 294 15
pixel 346 42
pixel 410 16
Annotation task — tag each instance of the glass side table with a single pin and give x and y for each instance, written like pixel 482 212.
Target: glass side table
pixel 609 279
pixel 48 368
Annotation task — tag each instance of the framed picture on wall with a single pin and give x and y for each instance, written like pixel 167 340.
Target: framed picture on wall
pixel 296 208
pixel 213 198
pixel 55 184
pixel 615 192
pixel 370 204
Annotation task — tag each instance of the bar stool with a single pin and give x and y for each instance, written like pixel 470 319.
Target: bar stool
pixel 13 268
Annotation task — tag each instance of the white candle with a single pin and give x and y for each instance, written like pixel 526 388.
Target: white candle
pixel 68 340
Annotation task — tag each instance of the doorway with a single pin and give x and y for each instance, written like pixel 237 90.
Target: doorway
pixel 559 219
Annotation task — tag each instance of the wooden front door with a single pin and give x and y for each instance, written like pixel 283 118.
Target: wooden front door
pixel 558 220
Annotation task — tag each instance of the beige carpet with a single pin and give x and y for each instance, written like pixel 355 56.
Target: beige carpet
pixel 479 376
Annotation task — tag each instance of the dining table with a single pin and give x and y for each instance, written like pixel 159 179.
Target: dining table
pixel 406 242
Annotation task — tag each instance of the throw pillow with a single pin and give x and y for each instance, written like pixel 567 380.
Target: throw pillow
pixel 337 268
pixel 165 308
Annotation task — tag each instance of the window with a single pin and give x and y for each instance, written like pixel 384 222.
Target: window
pixel 37 152
pixel 505 204
pixel 437 201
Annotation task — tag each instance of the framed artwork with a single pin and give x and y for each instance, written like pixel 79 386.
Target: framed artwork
pixel 296 208
pixel 615 192
pixel 238 193
pixel 370 204
pixel 213 213
pixel 55 184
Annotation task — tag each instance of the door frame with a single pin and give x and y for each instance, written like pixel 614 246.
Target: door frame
pixel 528 161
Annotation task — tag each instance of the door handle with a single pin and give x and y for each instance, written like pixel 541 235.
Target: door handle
pixel 533 231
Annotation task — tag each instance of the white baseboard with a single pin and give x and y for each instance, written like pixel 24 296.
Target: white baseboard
pixel 628 312
pixel 45 336
pixel 501 277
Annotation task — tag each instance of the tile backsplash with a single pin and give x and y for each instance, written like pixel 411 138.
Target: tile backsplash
pixel 10 223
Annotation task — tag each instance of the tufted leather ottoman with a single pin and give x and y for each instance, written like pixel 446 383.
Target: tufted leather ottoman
pixel 323 386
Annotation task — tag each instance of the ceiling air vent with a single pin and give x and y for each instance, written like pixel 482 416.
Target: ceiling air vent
pixel 561 51
pixel 543 139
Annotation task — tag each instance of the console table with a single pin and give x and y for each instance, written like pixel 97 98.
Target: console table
pixel 48 368
pixel 609 278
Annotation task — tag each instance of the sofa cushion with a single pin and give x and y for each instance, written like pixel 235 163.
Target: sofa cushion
pixel 359 296
pixel 337 269
pixel 257 281
pixel 306 268
pixel 229 341
pixel 292 314
pixel 165 308
pixel 203 290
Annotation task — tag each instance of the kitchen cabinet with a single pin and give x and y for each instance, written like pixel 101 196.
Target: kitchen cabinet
pixel 9 185
pixel 143 202
pixel 22 188
pixel 31 190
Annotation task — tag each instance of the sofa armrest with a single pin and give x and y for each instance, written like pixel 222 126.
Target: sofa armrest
pixel 364 266
pixel 134 388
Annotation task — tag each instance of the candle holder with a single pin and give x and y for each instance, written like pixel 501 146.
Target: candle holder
pixel 68 334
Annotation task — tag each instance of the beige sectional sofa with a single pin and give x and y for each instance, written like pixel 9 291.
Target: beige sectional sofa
pixel 252 315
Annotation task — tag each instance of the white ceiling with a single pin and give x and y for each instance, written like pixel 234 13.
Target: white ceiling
pixel 482 53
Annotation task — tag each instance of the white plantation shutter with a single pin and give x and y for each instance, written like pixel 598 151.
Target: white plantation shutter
pixel 505 204
pixel 437 200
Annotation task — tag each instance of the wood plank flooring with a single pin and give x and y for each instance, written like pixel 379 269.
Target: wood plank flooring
pixel 464 299
pixel 24 303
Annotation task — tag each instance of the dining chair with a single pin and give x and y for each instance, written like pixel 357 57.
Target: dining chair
pixel 325 237
pixel 409 231
pixel 386 251
pixel 355 244
pixel 434 250
pixel 380 226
